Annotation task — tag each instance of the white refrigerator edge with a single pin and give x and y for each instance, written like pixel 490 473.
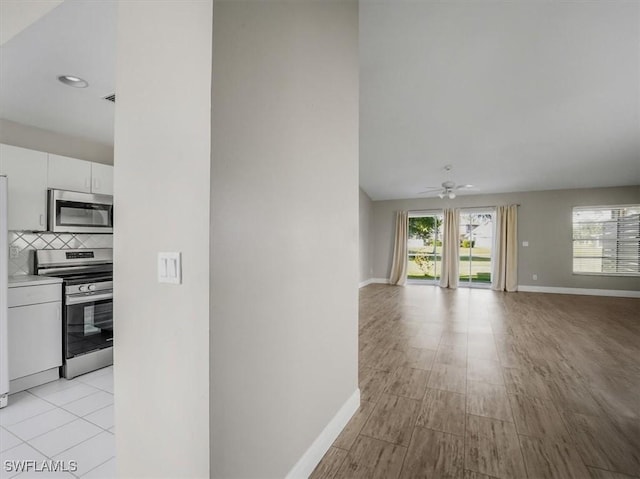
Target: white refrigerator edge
pixel 4 259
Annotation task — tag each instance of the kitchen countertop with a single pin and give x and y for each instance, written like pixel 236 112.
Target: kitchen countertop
pixel 31 280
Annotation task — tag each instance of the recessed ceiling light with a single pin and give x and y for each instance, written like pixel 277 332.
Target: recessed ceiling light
pixel 73 81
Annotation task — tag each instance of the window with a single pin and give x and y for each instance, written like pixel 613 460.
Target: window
pixel 606 240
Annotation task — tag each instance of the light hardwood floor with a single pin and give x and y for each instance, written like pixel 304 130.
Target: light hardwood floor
pixel 473 383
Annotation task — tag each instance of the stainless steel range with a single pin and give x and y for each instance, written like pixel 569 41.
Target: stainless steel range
pixel 87 300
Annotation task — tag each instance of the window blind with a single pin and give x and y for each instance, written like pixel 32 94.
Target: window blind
pixel 606 240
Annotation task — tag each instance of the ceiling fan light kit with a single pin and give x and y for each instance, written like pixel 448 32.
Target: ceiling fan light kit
pixel 450 194
pixel 448 189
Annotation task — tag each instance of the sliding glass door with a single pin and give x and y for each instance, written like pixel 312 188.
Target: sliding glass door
pixel 424 261
pixel 424 247
pixel 476 244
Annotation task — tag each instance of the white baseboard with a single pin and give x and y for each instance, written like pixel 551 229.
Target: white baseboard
pixel 374 281
pixel 310 459
pixel 619 293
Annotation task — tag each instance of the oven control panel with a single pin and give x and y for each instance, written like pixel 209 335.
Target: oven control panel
pixel 79 254
pixel 88 288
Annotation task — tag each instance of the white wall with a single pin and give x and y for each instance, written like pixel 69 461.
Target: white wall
pixel 163 146
pixel 16 15
pixel 26 136
pixel 544 220
pixel 284 264
pixel 366 236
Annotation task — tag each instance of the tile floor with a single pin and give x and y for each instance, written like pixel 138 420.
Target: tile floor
pixel 472 383
pixel 61 421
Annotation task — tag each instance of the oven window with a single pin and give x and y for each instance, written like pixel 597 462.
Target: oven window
pixel 89 327
pixel 72 213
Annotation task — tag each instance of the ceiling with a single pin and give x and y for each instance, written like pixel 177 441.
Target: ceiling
pixel 16 15
pixel 517 96
pixel 76 38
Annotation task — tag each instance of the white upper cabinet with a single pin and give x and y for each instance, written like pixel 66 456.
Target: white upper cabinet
pixel 26 171
pixel 31 172
pixel 79 175
pixel 101 179
pixel 69 173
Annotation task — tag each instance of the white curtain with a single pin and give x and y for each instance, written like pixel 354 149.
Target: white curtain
pixel 504 271
pixel 450 249
pixel 399 266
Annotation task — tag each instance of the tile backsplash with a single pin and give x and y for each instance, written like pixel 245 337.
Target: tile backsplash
pixel 28 242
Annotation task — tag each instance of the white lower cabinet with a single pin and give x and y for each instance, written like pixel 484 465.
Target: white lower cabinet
pixel 34 332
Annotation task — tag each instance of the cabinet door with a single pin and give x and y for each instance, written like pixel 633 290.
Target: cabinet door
pixel 35 339
pixel 26 171
pixel 101 179
pixel 69 173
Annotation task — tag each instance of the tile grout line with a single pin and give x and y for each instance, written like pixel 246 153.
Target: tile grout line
pixel 598 468
pixel 524 463
pixel 337 469
pixel 466 415
pixel 440 431
pixel 60 407
pixel 573 440
pixel 96 467
pixel 413 430
pixel 391 375
pixel 384 440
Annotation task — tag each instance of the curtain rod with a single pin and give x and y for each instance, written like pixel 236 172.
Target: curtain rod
pixel 461 207
pixel 492 206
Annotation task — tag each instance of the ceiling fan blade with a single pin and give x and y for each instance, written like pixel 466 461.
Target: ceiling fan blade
pixel 463 187
pixel 430 189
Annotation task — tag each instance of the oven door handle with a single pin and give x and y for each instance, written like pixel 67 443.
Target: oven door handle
pixel 71 300
pixel 54 269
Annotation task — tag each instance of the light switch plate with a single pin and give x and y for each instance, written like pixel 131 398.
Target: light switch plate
pixel 170 268
pixel 525 243
pixel 14 252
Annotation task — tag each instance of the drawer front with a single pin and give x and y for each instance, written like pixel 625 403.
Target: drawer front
pixel 26 295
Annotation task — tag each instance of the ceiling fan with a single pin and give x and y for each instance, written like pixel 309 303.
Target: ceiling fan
pixel 448 188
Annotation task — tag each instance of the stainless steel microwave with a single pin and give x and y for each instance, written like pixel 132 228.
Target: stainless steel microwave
pixel 74 212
